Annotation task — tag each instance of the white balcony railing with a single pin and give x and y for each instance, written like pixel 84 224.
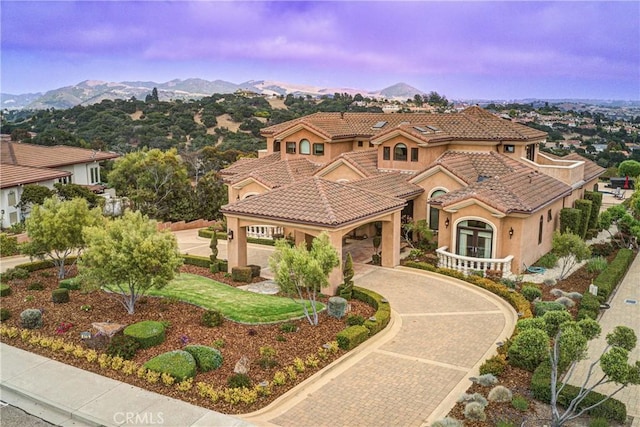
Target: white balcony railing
pixel 467 264
pixel 264 231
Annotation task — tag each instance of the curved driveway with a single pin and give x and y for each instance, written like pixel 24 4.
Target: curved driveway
pixel 410 374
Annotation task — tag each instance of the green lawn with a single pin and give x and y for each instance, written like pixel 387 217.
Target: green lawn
pixel 235 304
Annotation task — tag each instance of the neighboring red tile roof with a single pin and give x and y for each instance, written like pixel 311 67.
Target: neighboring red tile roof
pixel 471 123
pixel 472 166
pixel 279 173
pixel 13 175
pixel 49 157
pixel 315 201
pixel 392 184
pixel 522 191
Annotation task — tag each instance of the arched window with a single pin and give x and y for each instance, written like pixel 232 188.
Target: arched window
pixel 400 152
pixel 474 239
pixel 540 229
pixel 305 147
pixel 434 214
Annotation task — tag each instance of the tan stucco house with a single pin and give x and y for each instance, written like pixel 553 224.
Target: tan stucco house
pixel 477 179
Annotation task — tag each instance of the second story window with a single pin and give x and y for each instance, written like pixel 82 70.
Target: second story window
pixel 305 147
pixel 386 153
pixel 318 149
pixel 414 154
pixel 291 148
pixel 400 152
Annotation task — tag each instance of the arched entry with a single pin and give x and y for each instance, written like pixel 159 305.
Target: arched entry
pixel 474 238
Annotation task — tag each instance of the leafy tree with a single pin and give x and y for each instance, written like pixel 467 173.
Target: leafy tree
pixel 55 230
pixel 627 222
pixel 570 249
pixel 72 191
pixel 33 194
pixel 129 256
pixel 302 273
pixel 210 194
pixel 570 346
pixel 417 231
pixel 629 168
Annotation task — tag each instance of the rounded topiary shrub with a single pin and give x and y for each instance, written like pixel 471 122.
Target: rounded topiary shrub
pixel 147 333
pixel 72 284
pixel 5 290
pixel 123 346
pixel 531 292
pixel 178 363
pixel 60 296
pixel 207 358
pixel 211 318
pixel 542 307
pixel 31 318
pixel 529 348
pixel 5 314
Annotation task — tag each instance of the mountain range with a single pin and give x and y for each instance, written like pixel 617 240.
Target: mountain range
pixel 94 91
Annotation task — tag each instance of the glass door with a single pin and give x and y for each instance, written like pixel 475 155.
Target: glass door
pixel 474 239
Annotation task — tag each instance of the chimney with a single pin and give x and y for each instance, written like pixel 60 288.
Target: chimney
pixel 342 114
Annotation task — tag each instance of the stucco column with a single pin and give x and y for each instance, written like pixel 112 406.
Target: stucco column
pixel 236 247
pixel 335 277
pixel 299 237
pixel 391 241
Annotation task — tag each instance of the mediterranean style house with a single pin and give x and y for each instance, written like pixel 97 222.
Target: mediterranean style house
pixel 22 164
pixel 478 180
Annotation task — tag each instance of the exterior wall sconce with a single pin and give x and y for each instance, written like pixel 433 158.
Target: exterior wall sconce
pixel 510 233
pixel 230 235
pixel 446 223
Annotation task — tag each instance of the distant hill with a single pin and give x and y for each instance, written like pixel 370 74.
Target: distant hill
pixel 94 91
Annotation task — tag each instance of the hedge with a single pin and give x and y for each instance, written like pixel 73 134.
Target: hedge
pixel 8 245
pixel 609 278
pixel 47 263
pixel 589 307
pixel 570 220
pixel 611 409
pixel 516 300
pixel 241 274
pixel 377 301
pixel 352 336
pixel 585 207
pixel 206 233
pixel 198 261
pixel 596 203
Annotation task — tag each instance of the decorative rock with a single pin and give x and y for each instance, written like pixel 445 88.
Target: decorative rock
pixel 337 307
pixel 107 328
pixel 242 366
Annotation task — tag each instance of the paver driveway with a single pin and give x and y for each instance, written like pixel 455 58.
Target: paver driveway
pixel 413 372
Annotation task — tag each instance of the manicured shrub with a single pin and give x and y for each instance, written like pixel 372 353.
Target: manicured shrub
pixel 5 314
pixel 531 292
pixel 553 319
pixel 542 307
pixel 566 301
pixel 475 397
pixel 198 261
pixel 530 347
pixel 255 270
pixel 589 307
pixel 16 273
pixel 207 358
pixel 599 422
pixel 241 274
pixel 178 363
pixel 548 260
pixel 31 318
pixel 212 318
pixel 35 286
pixel 585 207
pixel 447 422
pixel 123 346
pixel 352 336
pixel 43 264
pixel 474 411
pixel 8 245
pixel 494 365
pixel 60 296
pixel 485 380
pixel 72 284
pixel 602 249
pixel 570 220
pixel 148 333
pixel 500 394
pixel 520 403
pixel 615 271
pixel 5 290
pixel 597 264
pixel 532 322
pixel 596 202
pixel 239 381
pixel 355 319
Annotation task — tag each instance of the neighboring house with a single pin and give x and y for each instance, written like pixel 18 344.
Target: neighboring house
pixel 478 180
pixel 22 164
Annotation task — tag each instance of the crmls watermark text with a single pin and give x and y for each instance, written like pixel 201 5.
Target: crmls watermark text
pixel 140 418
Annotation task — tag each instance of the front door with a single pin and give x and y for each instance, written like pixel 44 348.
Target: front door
pixel 474 239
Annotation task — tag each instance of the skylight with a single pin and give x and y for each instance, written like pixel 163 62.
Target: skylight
pixel 379 125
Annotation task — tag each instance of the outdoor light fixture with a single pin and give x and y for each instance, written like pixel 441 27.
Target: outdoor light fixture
pixel 510 233
pixel 446 223
pixel 230 235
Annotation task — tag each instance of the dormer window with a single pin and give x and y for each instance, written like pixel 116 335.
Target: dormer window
pixel 291 147
pixel 400 152
pixel 305 147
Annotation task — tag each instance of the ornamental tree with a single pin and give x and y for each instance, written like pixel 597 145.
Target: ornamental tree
pixel 570 249
pixel 302 272
pixel 55 230
pixel 127 257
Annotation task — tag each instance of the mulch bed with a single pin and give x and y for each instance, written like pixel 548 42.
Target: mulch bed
pixel 184 319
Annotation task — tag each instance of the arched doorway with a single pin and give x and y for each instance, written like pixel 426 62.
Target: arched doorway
pixel 474 239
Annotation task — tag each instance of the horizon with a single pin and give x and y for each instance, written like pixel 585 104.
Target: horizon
pixel 462 50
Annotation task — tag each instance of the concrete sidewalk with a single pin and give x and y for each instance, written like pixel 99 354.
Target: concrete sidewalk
pixel 68 396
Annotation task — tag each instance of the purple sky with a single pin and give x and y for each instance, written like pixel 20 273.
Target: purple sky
pixel 490 50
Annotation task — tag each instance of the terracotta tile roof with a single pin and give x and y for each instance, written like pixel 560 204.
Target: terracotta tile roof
pixel 523 191
pixel 474 166
pixel 391 184
pixel 49 157
pixel 591 169
pixel 471 123
pixel 14 175
pixel 364 161
pixel 277 174
pixel 245 165
pixel 315 201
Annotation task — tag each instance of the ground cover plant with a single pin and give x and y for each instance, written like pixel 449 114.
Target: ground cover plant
pixel 299 349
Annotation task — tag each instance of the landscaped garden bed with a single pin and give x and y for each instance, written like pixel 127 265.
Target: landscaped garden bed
pixel 279 350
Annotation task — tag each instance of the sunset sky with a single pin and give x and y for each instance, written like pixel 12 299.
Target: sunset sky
pixel 461 49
